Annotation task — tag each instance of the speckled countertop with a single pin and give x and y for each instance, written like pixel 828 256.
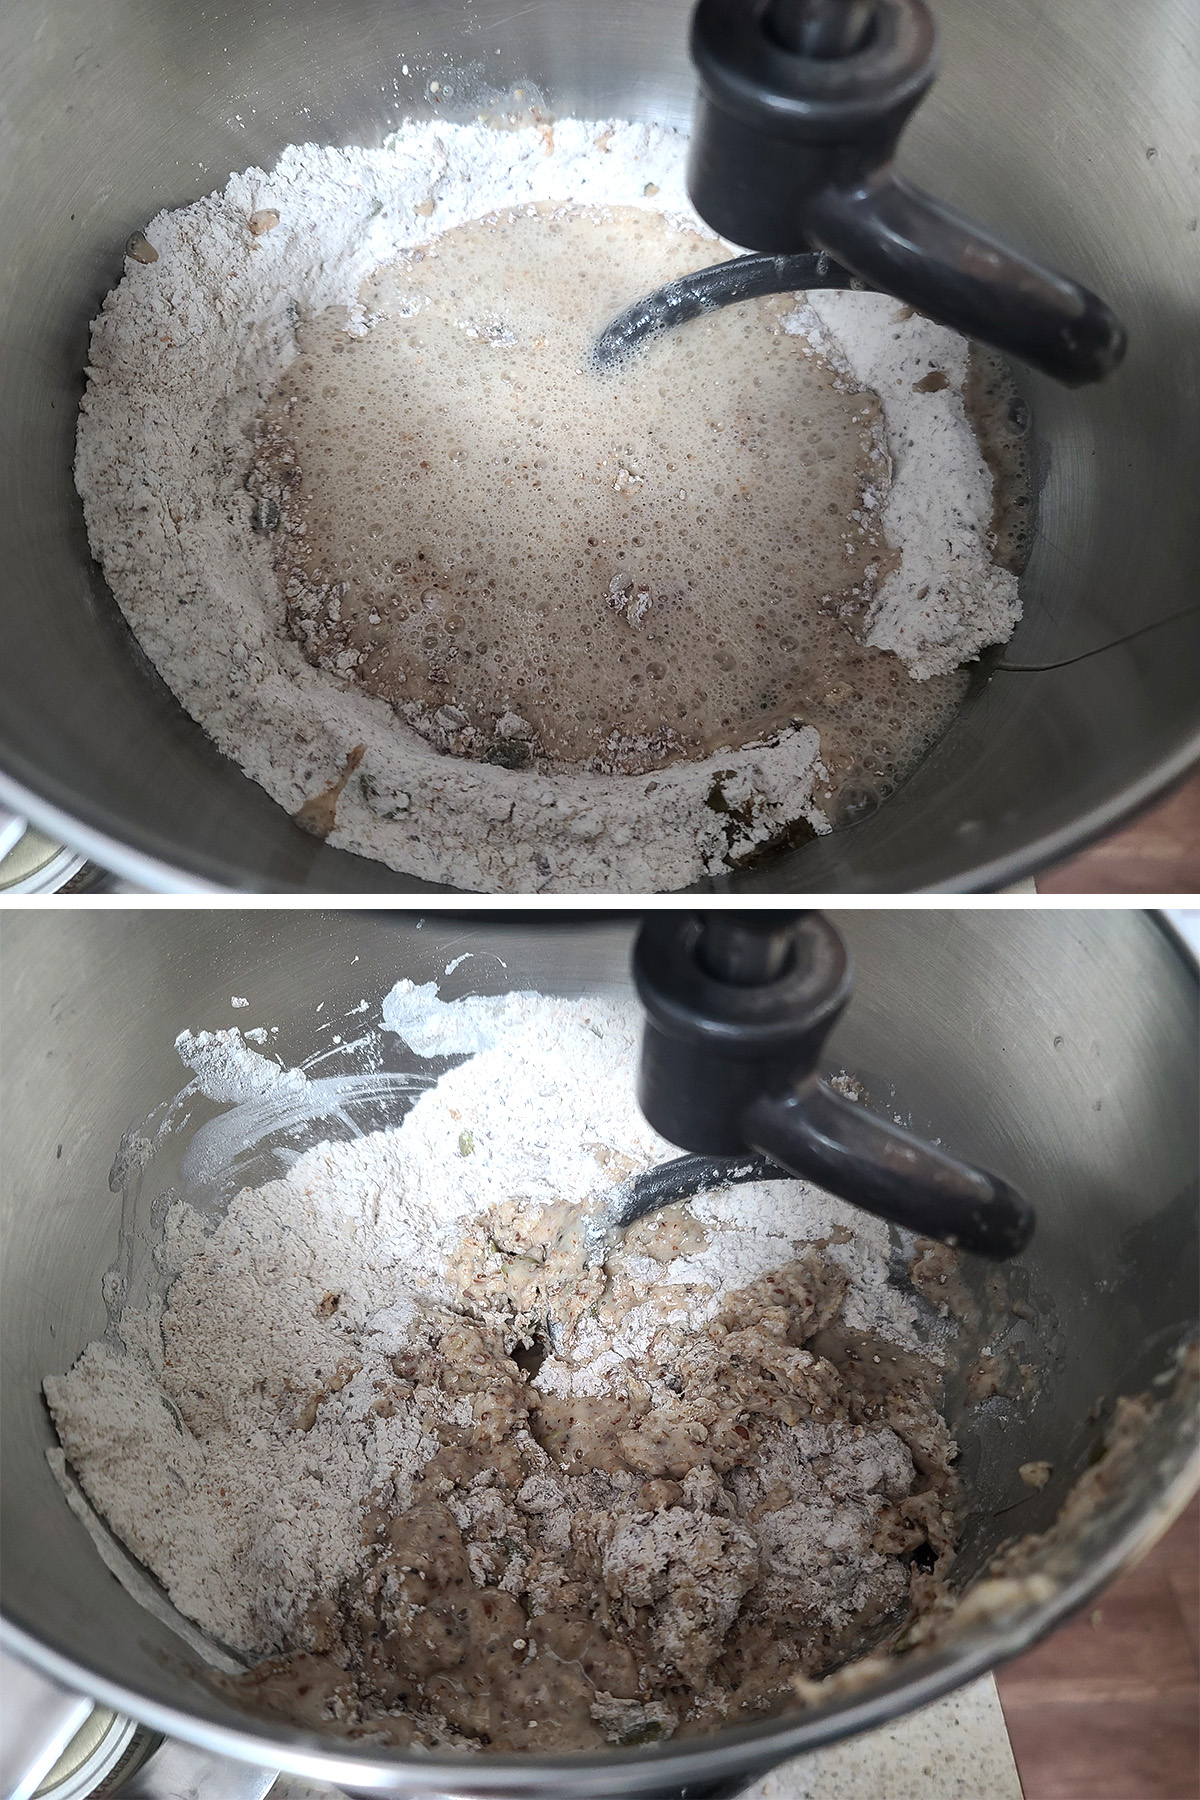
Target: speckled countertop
pixel 956 1749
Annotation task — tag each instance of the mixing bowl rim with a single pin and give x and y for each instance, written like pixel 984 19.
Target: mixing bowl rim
pixel 156 875
pixel 752 1747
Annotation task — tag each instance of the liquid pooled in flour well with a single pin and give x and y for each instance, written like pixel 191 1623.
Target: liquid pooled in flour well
pixel 535 563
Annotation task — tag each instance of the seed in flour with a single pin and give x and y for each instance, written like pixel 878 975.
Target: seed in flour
pixel 170 520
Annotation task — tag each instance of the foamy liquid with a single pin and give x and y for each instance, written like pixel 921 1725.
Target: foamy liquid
pixel 537 563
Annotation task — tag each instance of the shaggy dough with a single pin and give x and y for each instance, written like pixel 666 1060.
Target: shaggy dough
pixel 750 1506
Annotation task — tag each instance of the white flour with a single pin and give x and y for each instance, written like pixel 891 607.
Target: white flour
pixel 945 601
pixel 226 1069
pixel 234 1445
pixel 187 350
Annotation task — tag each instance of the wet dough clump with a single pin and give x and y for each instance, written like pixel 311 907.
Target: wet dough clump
pixel 749 1504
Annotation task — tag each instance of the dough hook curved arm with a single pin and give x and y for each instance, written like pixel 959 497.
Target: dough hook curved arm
pixel 851 1152
pixel 738 1008
pixel 898 238
pixel 707 290
pixel 816 1134
pixel 802 105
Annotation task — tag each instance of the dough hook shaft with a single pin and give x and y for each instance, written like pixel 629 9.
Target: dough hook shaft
pixel 738 1008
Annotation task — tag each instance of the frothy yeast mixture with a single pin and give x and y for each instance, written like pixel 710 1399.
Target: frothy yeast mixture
pixel 530 559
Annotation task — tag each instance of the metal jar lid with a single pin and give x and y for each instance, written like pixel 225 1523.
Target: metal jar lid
pixel 101 1756
pixel 31 863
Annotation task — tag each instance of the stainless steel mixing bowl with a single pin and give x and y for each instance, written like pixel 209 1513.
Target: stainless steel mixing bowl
pixel 1071 127
pixel 1057 1047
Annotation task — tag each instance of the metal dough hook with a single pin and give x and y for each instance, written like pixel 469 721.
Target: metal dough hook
pixel 738 1007
pixel 722 284
pixel 802 104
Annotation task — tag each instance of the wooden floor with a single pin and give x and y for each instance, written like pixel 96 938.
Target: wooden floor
pixel 1159 853
pixel 1109 1707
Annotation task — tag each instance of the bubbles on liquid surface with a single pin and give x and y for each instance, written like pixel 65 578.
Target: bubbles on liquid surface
pixel 537 564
